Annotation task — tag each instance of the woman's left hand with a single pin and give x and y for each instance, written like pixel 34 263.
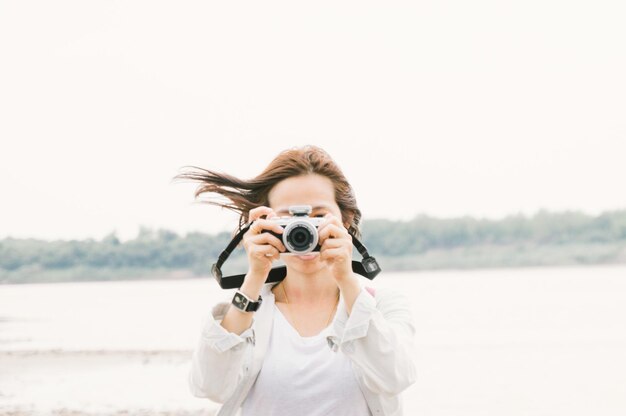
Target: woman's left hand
pixel 336 247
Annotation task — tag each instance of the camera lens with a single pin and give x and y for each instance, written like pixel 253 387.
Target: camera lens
pixel 300 238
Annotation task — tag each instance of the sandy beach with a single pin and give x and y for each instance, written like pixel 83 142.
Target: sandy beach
pixel 515 342
pixel 97 382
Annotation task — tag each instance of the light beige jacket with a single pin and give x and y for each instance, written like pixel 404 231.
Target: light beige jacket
pixel 378 337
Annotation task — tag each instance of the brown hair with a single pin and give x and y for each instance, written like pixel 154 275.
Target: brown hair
pixel 244 195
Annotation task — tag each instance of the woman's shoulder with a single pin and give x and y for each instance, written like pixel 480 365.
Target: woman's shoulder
pixel 386 293
pixel 387 296
pixel 378 291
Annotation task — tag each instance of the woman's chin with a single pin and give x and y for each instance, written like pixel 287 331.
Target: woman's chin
pixel 305 262
pixel 308 257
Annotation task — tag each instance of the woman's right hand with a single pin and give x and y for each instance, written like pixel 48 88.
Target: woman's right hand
pixel 262 248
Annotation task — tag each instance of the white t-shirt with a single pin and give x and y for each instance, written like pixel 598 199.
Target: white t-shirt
pixel 301 376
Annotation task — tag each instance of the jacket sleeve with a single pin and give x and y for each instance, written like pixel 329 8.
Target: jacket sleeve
pixel 378 337
pixel 218 360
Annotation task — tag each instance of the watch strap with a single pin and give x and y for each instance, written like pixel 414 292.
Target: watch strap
pixel 244 303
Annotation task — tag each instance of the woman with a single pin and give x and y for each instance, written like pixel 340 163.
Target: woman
pixel 321 341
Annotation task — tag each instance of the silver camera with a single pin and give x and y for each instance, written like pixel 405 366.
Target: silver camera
pixel 300 231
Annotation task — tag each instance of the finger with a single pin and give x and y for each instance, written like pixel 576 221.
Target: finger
pixel 267 238
pixel 259 225
pixel 335 243
pixel 258 212
pixel 263 239
pixel 264 251
pixel 334 254
pixel 330 219
pixel 333 231
pixel 252 230
pixel 273 256
pixel 327 220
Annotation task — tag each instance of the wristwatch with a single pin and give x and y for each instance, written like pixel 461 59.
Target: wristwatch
pixel 244 303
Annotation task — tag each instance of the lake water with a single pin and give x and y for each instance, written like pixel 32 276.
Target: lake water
pixel 534 341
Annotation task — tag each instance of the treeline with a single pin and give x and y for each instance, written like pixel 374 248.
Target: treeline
pixel 544 228
pixel 422 243
pixel 109 259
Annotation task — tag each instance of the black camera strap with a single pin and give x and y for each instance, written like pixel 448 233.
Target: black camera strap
pixel 368 267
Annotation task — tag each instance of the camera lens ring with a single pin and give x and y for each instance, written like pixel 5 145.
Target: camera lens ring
pixel 312 230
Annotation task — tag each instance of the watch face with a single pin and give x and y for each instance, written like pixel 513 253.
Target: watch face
pixel 240 301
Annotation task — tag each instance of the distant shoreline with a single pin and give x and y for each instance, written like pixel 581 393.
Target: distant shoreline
pixel 459 258
pixel 424 243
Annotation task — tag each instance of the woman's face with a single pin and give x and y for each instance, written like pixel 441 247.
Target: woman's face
pixel 314 190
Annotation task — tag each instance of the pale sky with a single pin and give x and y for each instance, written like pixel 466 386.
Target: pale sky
pixel 445 108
